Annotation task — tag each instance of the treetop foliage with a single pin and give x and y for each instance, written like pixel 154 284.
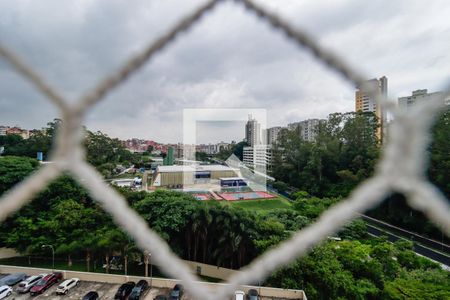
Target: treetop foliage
pixel 103 152
pixel 343 154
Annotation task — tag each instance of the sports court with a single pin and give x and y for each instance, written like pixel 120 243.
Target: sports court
pixel 201 196
pixel 233 196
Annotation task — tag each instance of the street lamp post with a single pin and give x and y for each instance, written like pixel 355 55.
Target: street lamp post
pixel 146 263
pixel 53 255
pixel 151 269
pixel 147 258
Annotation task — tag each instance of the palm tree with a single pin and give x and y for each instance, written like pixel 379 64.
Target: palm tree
pixel 129 249
pixel 89 244
pixel 207 220
pixel 112 240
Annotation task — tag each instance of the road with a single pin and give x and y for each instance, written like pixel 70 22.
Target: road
pixel 430 243
pixel 418 248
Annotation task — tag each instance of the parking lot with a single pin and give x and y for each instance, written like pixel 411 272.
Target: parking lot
pixel 105 291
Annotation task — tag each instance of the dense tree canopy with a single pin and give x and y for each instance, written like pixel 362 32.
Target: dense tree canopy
pixel 201 156
pixel 358 267
pixel 40 141
pixel 103 152
pixel 14 169
pixel 236 149
pixel 395 209
pixel 106 153
pixel 364 270
pixel 343 155
pixel 440 154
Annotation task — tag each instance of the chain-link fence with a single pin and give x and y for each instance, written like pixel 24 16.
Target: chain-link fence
pixel 401 169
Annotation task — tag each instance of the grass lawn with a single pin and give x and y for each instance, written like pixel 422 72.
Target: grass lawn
pixel 262 204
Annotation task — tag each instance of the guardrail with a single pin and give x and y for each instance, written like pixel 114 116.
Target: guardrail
pixel 439 246
pixel 418 248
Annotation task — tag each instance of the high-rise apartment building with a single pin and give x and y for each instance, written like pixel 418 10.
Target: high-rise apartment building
pixel 257 155
pixel 253 132
pixel 307 129
pixel 366 103
pixel 213 148
pixel 272 134
pixel 417 96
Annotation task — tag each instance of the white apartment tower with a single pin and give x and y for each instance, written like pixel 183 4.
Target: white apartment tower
pixel 272 134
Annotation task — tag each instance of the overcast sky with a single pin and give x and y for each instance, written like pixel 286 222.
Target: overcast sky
pixel 230 59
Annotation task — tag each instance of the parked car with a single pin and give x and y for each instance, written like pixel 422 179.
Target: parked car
pixel 160 297
pixel 45 283
pixel 13 279
pixel 124 290
pixel 138 290
pixel 239 295
pixel 177 292
pixel 92 295
pixel 5 291
pixel 66 285
pixel 25 285
pixel 253 295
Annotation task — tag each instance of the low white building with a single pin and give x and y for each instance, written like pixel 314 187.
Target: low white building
pixel 258 157
pixel 178 176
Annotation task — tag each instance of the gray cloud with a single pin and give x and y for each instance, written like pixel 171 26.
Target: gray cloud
pixel 230 59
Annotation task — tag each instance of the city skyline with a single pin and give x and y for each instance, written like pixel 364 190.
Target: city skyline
pixel 268 136
pixel 242 64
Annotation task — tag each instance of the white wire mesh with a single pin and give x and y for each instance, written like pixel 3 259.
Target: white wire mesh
pixel 401 168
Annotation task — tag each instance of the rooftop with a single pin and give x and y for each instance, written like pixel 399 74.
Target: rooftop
pixel 181 168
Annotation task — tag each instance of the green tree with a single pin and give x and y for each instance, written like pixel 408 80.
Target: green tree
pixel 111 240
pixel 355 230
pixel 14 169
pixel 201 156
pixel 238 149
pixel 105 153
pixel 323 276
pixel 343 154
pixel 440 154
pixel 39 142
pixel 419 284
